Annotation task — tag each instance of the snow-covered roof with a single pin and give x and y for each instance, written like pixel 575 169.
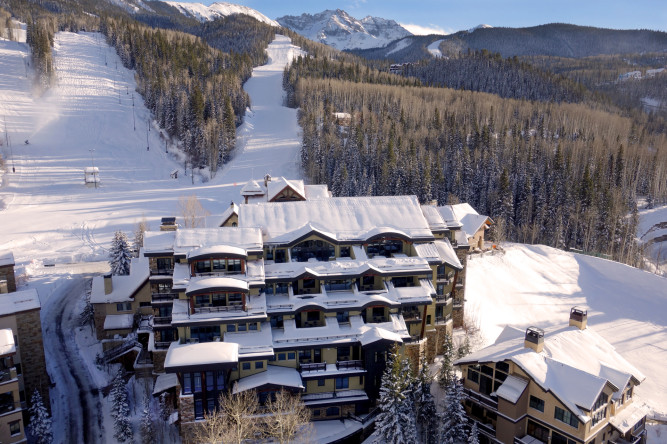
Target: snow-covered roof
pixel 461 238
pixel 159 241
pixel 189 238
pixel 273 375
pixel 574 364
pixel 258 343
pixel 512 388
pixel 198 284
pixel 449 217
pixel 439 251
pixel 216 251
pixel 200 356
pixel 471 220
pixel 343 218
pixel 7 346
pixel 6 258
pixel 233 209
pixel 118 321
pixel 278 184
pixel 373 334
pixel 19 301
pixel 123 288
pixel 164 382
pixel 315 192
pixel 252 188
pixel 434 219
pixel 627 418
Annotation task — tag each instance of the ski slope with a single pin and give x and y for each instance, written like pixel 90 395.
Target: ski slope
pixel 537 285
pixel 87 119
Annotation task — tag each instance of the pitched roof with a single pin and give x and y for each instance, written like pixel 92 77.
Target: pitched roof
pixel 19 301
pixel 470 219
pixel 123 287
pixel 278 184
pixel 344 218
pixel 6 258
pixel 274 375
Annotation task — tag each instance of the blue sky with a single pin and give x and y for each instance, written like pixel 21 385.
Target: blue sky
pixel 450 15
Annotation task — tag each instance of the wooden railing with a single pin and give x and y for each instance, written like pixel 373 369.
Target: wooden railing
pixel 314 367
pixel 349 365
pixel 481 399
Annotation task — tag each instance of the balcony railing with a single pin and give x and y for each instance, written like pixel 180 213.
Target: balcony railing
pixel 162 271
pixel 219 309
pixel 521 440
pixel 162 345
pixel 7 406
pixel 7 374
pixel 315 367
pixel 349 365
pixel 161 320
pixel 411 316
pixel 481 399
pixel 164 297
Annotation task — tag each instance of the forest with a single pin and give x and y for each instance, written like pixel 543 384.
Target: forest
pixel 565 175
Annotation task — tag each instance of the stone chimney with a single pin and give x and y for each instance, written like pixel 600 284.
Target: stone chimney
pixel 534 339
pixel 108 286
pixel 168 224
pixel 579 317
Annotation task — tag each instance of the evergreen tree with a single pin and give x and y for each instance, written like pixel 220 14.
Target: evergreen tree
pixel 425 405
pixel 396 422
pixel 120 255
pixel 120 409
pixel 446 373
pixel 87 314
pixel 474 434
pixel 454 419
pixel 147 428
pixel 40 421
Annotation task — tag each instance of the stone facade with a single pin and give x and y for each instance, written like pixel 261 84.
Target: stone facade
pixel 158 361
pixel 431 345
pixel 7 274
pixel 33 361
pixel 458 312
pixel 414 351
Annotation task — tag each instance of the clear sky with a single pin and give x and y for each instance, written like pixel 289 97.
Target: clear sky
pixel 446 16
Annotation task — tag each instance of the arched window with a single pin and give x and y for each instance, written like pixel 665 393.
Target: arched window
pixel 313 249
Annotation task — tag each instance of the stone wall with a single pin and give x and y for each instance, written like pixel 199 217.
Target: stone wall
pixel 431 345
pixel 186 411
pixel 413 351
pixel 158 361
pixel 458 310
pixel 7 274
pixel 33 362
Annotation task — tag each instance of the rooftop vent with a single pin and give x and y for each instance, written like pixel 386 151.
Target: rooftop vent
pixel 534 339
pixel 579 317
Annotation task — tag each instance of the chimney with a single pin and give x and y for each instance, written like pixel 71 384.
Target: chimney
pixel 168 224
pixel 108 286
pixel 579 317
pixel 534 339
pixel 3 287
pixel 267 179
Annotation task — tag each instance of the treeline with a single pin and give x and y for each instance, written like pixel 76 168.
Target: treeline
pixel 486 72
pixel 562 175
pixel 194 91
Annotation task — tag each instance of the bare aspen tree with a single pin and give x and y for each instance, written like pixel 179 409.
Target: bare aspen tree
pixel 233 422
pixel 287 416
pixel 192 211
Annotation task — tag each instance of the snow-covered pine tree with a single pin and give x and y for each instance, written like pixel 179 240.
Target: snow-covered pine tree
pixel 446 373
pixel 396 422
pixel 474 434
pixel 425 406
pixel 120 254
pixel 40 421
pixel 87 314
pixel 142 227
pixel 454 419
pixel 147 428
pixel 120 409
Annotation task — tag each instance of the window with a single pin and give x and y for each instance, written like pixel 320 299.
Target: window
pixel 246 366
pixel 503 367
pixel 277 321
pixel 313 316
pixel 537 403
pixel 537 431
pixel 361 380
pixel 638 425
pixel 234 265
pixel 234 299
pixel 219 264
pixel 473 375
pixel 199 409
pixel 338 285
pixel 378 312
pixel 187 383
pixel 252 326
pixel 316 412
pixel 202 300
pixel 281 356
pixel 231 328
pixel 242 327
pixel 259 364
pixel 124 306
pixel 15 428
pixel 203 266
pixel 566 417
pixel 343 316
pixel 291 356
pixel 557 438
pixel 220 380
pixel 344 251
pixel 320 382
pixel 305 355
pixel 343 353
pixel 197 382
pixel 342 383
pixel 210 382
pixel 333 411
pixel 144 304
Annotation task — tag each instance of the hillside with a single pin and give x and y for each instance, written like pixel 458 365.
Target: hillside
pixel 537 285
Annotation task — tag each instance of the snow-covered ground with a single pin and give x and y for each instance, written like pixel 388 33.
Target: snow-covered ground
pixel 48 215
pixel 434 49
pixel 537 285
pixel 652 231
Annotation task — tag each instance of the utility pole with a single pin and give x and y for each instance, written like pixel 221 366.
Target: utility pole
pixel 92 160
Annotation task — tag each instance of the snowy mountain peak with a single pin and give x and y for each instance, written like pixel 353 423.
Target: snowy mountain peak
pixel 205 13
pixel 339 29
pixel 482 26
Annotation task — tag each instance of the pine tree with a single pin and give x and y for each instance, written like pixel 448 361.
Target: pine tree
pixel 120 255
pixel 446 373
pixel 425 405
pixel 40 421
pixel 474 434
pixel 454 419
pixel 147 428
pixel 396 422
pixel 87 314
pixel 120 409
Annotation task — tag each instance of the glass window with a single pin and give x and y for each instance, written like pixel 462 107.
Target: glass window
pixel 210 382
pixel 282 356
pixel 124 306
pixel 242 327
pixel 203 266
pixel 567 417
pixel 220 380
pixel 313 316
pixel 378 312
pixel 218 300
pixel 197 382
pixel 281 287
pixel 231 328
pixel 342 383
pixel 333 411
pixel 202 300
pixel 199 409
pixel 15 428
pixel 321 382
pixel 219 264
pixel 246 366
pixel 291 356
pixel 557 438
pixel 305 355
pixel 344 251
pixel 259 364
pixel 343 316
pixel 235 298
pixel 343 353
pixel 210 405
pixel 277 321
pixel 473 375
pixel 233 265
pixel 187 383
pixel 537 403
pixel 252 326
pixel 537 431
pixel 503 367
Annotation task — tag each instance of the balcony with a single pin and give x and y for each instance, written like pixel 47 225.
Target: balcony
pixel 439 320
pixel 219 309
pixel 412 316
pixel 7 374
pixel 162 271
pixel 349 365
pixel 162 345
pixel 481 399
pixel 523 440
pixel 7 404
pixel 315 367
pixel 161 321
